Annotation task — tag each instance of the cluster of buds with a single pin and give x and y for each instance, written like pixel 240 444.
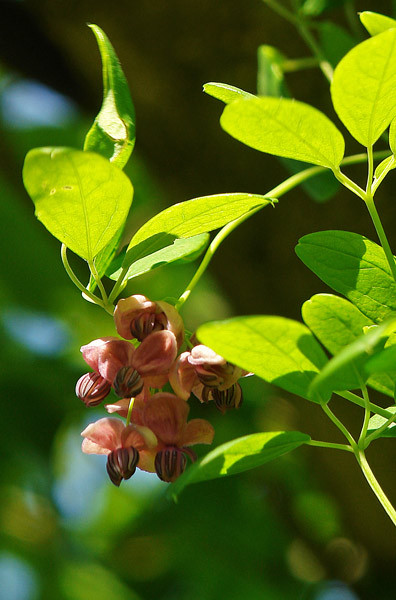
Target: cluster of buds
pixel 156 436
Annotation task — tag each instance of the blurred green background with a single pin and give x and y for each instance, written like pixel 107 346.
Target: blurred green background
pixel 304 527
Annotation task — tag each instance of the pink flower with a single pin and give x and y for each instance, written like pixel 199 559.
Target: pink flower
pixel 209 376
pixel 138 317
pixel 166 416
pixel 127 369
pixel 125 447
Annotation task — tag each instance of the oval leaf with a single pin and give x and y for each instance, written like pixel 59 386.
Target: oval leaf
pixel 240 455
pixel 346 370
pixel 336 322
pixel 363 87
pixel 270 76
pixel 353 266
pixel 224 92
pixel 80 197
pixel 181 248
pixel 281 351
pixel 285 128
pixel 376 23
pixel 377 421
pixel 199 215
pixel 113 131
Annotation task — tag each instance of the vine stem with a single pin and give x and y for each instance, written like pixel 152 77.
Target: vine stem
pixel 375 486
pixel 276 192
pixel 330 445
pixel 75 279
pixel 341 427
pixel 355 399
pixel 130 407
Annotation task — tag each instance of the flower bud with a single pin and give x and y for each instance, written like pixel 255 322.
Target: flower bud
pixel 92 388
pixel 127 383
pixel 229 398
pixel 146 323
pixel 170 463
pixel 121 464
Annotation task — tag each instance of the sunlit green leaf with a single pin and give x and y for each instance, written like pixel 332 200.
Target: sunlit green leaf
pixel 363 87
pixel 285 128
pixel 336 322
pixel 383 362
pixel 376 23
pixel 180 248
pixel 240 455
pixel 224 92
pixel 113 131
pixel 200 215
pixel 80 197
pixel 384 164
pixel 353 266
pixel 346 370
pixel 270 76
pixel 377 421
pixel 281 351
pixel 392 136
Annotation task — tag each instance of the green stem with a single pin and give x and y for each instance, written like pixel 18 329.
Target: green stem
pixel 298 64
pixel 330 445
pixel 360 402
pixel 75 279
pixel 375 486
pixel 276 192
pixel 98 281
pixel 366 419
pixel 381 234
pixel 370 171
pixel 348 183
pixel 130 407
pixel 118 285
pixel 340 426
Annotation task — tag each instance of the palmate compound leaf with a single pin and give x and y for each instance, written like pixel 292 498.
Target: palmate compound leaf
pixel 346 371
pixel 376 23
pixel 190 218
pixel 286 128
pixel 113 131
pixel 336 322
pixel 240 455
pixel 353 266
pixel 363 87
pixel 281 351
pixel 80 197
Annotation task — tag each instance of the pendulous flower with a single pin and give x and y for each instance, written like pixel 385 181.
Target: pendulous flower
pixel 137 317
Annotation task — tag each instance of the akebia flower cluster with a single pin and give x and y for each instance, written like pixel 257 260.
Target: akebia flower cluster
pixel 156 435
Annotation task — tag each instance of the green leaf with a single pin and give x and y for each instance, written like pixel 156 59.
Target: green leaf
pixel 199 215
pixel 240 455
pixel 113 131
pixel 281 351
pixel 346 370
pixel 384 164
pixel 81 198
pixel 224 92
pixel 383 362
pixel 105 259
pixel 363 87
pixel 353 266
pixel 335 41
pixel 336 322
pixel 285 128
pixel 392 136
pixel 377 421
pixel 313 8
pixel 186 249
pixel 376 23
pixel 270 76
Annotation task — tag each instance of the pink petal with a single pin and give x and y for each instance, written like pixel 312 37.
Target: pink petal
pixel 166 415
pixel 201 355
pixel 197 431
pixel 89 447
pixel 106 433
pixel 140 437
pixel 128 309
pixel 182 376
pixel 174 321
pixel 120 407
pixel 156 354
pixel 147 460
pixel 107 355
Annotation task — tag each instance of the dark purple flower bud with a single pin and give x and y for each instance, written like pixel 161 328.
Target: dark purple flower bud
pixel 121 464
pixel 127 383
pixel 229 398
pixel 92 388
pixel 170 463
